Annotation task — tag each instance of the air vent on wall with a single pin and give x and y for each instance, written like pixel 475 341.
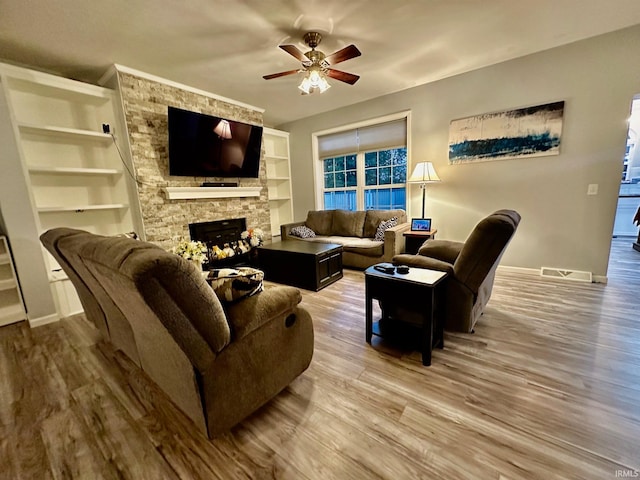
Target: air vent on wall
pixel 576 275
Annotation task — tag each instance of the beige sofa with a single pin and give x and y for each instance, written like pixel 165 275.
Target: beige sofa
pixel 217 363
pixel 355 231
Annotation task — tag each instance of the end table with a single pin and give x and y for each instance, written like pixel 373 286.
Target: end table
pixel 414 240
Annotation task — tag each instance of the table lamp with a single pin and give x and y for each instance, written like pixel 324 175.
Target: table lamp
pixel 424 173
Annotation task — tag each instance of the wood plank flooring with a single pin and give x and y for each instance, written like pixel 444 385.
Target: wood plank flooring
pixel 548 387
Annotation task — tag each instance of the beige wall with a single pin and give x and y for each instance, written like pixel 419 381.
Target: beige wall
pixel 561 226
pixel 165 221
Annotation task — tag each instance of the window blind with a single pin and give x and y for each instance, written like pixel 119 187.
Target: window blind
pixel 372 137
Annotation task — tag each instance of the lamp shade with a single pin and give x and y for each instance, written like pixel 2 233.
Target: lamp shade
pixel 424 172
pixel 223 129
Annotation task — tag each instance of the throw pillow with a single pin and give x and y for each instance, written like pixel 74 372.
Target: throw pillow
pixel 302 231
pixel 234 284
pixel 384 225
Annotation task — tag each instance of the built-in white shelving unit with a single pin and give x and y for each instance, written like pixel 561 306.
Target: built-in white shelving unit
pixel 277 162
pixel 11 305
pixel 73 169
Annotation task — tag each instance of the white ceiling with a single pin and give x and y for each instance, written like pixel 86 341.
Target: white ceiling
pixel 225 46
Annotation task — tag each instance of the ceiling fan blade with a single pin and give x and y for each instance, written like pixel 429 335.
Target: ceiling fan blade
pixel 341 55
pixel 349 78
pixel 280 74
pixel 295 52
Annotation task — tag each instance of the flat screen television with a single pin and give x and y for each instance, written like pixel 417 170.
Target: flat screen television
pixel 206 146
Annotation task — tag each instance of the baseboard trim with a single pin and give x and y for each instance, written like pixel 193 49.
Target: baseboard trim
pixel 528 271
pixel 38 322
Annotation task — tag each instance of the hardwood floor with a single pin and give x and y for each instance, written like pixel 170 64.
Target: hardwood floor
pixel 548 387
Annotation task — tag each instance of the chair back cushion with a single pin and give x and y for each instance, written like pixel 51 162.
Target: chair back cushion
pixel 147 282
pixel 484 247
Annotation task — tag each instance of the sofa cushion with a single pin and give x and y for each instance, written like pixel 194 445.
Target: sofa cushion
pixel 348 224
pixel 234 284
pixel 383 226
pixel 363 246
pixel 374 217
pixel 302 231
pixel 320 221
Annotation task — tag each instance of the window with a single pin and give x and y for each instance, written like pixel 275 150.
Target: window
pixel 365 168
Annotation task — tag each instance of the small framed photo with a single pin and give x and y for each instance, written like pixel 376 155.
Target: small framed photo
pixel 420 224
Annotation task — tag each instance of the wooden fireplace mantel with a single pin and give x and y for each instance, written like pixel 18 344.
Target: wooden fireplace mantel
pixel 186 193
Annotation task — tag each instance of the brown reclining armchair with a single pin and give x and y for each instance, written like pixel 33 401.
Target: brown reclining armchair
pixel 471 266
pixel 217 363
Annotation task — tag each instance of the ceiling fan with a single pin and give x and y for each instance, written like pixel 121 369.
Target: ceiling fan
pixel 317 65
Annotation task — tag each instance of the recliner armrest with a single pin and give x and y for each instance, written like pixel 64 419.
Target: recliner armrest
pixel 423 262
pixel 445 250
pixel 251 313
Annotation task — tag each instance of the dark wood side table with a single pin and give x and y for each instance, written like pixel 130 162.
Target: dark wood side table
pixel 416 293
pixel 414 240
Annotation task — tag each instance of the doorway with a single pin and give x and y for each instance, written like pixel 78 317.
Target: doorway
pixel 629 195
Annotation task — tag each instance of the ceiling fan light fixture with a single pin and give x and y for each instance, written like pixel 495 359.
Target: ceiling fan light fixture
pixel 314 81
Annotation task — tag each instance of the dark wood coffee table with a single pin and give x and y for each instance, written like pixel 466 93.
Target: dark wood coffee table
pixel 414 292
pixel 307 265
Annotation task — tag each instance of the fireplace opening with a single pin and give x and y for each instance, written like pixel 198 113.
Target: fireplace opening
pixel 221 234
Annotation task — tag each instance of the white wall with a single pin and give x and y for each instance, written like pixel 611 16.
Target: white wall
pixel 561 226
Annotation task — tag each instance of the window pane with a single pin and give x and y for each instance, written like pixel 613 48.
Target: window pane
pixel 398 198
pixel 371 159
pixel 384 198
pixel 344 200
pixel 384 176
pixel 351 162
pixel 328 180
pixel 371 176
pixel 384 158
pixel 328 165
pixel 339 164
pixel 400 174
pixel 352 179
pixel 328 201
pixel 340 182
pixel 399 156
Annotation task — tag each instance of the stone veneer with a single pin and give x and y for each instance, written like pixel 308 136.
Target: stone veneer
pixel 167 221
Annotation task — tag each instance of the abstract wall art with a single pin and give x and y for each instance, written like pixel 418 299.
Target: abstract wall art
pixel 524 132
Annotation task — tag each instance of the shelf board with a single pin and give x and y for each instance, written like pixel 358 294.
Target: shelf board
pixel 73 170
pixel 281 177
pixel 82 208
pixel 276 157
pixel 7 284
pixel 186 193
pixel 278 199
pixel 11 313
pixel 69 132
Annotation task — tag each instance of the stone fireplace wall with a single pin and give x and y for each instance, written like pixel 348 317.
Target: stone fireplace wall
pixel 166 221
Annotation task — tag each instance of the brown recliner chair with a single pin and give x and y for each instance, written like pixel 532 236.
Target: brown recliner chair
pixel 217 364
pixel 471 266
